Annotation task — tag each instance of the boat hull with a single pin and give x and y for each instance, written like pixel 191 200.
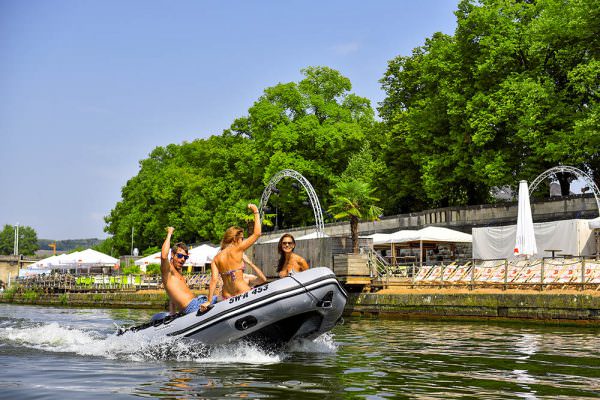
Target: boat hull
pixel 305 305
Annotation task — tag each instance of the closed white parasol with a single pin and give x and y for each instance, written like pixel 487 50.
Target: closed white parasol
pixel 525 238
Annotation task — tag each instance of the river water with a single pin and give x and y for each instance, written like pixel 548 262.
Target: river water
pixel 50 353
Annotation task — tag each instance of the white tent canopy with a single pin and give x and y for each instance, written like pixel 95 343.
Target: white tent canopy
pixel 151 259
pixel 68 258
pixel 91 256
pixel 438 234
pixel 428 234
pixel 26 272
pixel 313 235
pixel 379 238
pixel 201 255
pixel 274 240
pixel 81 258
pixel 86 257
pixel 43 263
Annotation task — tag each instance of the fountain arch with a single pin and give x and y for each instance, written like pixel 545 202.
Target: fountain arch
pixel 572 170
pixel 312 196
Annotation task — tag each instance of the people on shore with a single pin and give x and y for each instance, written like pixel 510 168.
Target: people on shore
pixel 289 262
pixel 228 262
pixel 181 297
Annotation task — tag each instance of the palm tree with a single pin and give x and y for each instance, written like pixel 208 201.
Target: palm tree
pixel 352 199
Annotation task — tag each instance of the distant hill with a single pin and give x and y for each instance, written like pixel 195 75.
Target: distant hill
pixel 70 244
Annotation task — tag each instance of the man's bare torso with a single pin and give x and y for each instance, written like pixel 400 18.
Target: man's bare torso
pixel 176 287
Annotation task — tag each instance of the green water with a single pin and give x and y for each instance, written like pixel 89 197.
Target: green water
pixel 48 352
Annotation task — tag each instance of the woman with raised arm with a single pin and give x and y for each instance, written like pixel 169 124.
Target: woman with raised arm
pixel 228 262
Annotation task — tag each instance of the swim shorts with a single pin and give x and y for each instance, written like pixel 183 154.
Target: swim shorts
pixel 194 305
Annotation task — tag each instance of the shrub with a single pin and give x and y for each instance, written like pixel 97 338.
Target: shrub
pixel 30 295
pixel 131 270
pixel 63 299
pixel 153 269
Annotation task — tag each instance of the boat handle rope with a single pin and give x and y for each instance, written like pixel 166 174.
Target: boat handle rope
pixel 305 289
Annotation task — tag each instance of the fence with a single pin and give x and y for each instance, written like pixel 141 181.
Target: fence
pixel 102 283
pixel 543 273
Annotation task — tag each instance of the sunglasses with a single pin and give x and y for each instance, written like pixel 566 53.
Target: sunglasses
pixel 287 243
pixel 179 255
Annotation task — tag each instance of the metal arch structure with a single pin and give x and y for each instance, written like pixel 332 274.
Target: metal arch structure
pixel 572 170
pixel 312 196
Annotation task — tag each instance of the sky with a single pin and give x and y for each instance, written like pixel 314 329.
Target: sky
pixel 88 88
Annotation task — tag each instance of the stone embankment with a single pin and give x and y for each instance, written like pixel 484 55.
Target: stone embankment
pixel 142 299
pixel 560 307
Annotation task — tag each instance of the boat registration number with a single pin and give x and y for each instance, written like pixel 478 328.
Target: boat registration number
pixel 257 290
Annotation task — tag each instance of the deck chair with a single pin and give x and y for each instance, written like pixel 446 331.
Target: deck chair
pixel 595 275
pixel 423 272
pixel 528 272
pixel 568 274
pixel 449 271
pixel 459 274
pixel 435 274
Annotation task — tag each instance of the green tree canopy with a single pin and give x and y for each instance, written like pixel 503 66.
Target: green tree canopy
pixel 514 92
pixel 28 242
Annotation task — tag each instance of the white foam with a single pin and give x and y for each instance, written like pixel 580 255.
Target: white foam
pixel 323 344
pixel 55 338
pixel 241 353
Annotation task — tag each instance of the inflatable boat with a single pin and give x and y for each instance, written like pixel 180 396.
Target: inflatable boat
pixel 304 305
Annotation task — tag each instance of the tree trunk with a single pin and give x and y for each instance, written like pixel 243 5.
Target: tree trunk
pixel 354 233
pixel 564 178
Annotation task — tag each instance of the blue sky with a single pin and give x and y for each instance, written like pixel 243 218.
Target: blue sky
pixel 89 88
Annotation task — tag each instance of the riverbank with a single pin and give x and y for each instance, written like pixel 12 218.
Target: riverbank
pixel 566 307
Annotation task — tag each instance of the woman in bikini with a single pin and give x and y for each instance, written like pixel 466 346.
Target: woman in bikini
pixel 228 262
pixel 288 260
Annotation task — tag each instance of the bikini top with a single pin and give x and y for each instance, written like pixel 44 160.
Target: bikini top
pixel 231 272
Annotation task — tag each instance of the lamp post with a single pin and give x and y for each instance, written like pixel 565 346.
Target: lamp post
pixel 132 240
pixel 16 242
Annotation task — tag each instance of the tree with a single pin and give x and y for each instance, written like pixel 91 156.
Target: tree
pixel 512 93
pixel 27 240
pixel 352 199
pixel 106 246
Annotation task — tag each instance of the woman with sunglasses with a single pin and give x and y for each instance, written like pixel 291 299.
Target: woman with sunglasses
pixel 289 262
pixel 228 262
pixel 180 295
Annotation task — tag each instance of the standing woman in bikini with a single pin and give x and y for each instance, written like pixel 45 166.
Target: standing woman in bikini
pixel 288 260
pixel 227 263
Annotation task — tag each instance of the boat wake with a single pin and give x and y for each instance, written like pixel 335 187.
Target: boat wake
pixel 53 337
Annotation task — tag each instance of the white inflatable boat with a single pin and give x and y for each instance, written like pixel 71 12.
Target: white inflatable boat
pixel 304 305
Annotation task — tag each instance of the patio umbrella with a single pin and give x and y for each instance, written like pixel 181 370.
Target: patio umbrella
pixel 525 238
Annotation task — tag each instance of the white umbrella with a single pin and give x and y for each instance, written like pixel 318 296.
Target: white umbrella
pixel 525 238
